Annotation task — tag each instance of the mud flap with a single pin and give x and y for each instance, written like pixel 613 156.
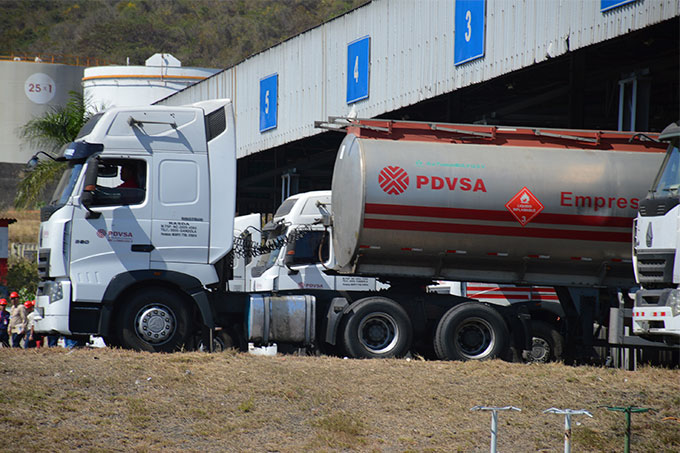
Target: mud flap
pixel 335 312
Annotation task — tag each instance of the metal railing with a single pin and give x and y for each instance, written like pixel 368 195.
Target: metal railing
pixel 18 249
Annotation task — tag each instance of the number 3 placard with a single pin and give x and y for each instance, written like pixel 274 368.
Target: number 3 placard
pixel 358 62
pixel 469 31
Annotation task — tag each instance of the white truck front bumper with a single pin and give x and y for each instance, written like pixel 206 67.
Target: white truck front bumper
pixel 657 312
pixel 52 307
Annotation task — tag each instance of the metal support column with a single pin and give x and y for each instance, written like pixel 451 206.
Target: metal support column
pixel 567 422
pixel 494 421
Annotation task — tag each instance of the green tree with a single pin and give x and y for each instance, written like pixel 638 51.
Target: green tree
pixel 52 130
pixel 22 276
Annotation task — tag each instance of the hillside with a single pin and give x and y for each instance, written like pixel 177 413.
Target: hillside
pixel 113 400
pixel 204 33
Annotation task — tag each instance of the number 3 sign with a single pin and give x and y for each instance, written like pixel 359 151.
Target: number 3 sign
pixel 469 31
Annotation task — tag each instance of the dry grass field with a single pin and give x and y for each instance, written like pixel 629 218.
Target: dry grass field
pixel 111 400
pixel 26 228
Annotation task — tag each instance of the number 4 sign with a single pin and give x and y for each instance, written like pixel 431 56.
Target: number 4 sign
pixel 469 31
pixel 358 62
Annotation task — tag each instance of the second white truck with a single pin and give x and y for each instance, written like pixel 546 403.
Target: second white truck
pixel 656 314
pixel 296 259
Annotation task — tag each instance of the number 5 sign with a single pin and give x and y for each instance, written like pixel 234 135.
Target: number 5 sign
pixel 268 102
pixel 358 61
pixel 469 31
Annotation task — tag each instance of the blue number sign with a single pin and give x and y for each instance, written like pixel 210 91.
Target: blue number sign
pixel 358 62
pixel 469 31
pixel 269 87
pixel 606 5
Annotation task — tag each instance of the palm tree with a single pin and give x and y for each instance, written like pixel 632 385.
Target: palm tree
pixel 51 131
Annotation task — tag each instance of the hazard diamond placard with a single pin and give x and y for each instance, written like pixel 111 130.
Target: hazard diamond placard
pixel 524 206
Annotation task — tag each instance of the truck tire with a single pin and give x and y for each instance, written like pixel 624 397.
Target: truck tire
pixel 222 341
pixel 547 343
pixel 471 331
pixel 155 320
pixel 376 327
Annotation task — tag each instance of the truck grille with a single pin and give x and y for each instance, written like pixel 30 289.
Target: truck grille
pixel 44 263
pixel 649 298
pixel 655 268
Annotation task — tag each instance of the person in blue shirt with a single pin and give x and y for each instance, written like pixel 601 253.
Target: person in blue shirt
pixel 4 323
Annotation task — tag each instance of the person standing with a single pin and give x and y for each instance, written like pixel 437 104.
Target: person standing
pixel 17 320
pixel 4 323
pixel 30 339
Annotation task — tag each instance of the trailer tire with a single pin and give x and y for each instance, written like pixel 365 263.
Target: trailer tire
pixel 471 331
pixel 155 320
pixel 376 327
pixel 547 343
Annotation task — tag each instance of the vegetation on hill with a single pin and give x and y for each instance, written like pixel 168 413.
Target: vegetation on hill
pixel 207 33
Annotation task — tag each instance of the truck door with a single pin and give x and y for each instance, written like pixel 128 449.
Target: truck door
pixel 181 209
pixel 116 238
pixel 305 268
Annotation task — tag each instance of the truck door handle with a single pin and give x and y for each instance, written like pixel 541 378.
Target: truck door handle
pixel 142 247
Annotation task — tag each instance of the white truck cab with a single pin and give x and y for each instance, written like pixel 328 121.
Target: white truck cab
pixel 655 251
pixel 138 202
pixel 301 250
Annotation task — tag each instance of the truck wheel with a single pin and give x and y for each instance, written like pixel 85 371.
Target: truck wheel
pixel 547 343
pixel 155 320
pixel 471 331
pixel 222 341
pixel 376 327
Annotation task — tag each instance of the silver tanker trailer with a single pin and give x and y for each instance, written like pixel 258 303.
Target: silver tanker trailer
pixel 414 202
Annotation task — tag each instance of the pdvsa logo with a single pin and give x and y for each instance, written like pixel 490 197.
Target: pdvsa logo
pixel 115 236
pixel 393 180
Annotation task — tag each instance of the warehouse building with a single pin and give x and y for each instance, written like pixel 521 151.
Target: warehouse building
pixel 597 64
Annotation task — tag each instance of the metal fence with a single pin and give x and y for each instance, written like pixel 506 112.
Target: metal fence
pixel 28 251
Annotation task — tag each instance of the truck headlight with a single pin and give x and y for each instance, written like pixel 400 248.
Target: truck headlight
pixel 674 302
pixel 53 290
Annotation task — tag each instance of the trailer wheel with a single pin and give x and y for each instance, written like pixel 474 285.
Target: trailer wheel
pixel 547 343
pixel 376 327
pixel 471 331
pixel 155 320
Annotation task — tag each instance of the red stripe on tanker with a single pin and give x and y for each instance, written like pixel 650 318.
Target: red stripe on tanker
pixel 477 229
pixel 501 216
pixel 485 199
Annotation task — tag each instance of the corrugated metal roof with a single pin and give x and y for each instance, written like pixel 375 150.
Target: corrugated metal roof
pixel 411 54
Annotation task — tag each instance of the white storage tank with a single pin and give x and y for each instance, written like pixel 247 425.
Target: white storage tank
pixel 120 86
pixel 30 89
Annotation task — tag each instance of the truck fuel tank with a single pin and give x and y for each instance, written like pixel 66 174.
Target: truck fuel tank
pixel 510 206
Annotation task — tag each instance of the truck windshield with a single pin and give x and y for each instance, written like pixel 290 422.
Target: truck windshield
pixel 668 180
pixel 66 184
pixel 75 154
